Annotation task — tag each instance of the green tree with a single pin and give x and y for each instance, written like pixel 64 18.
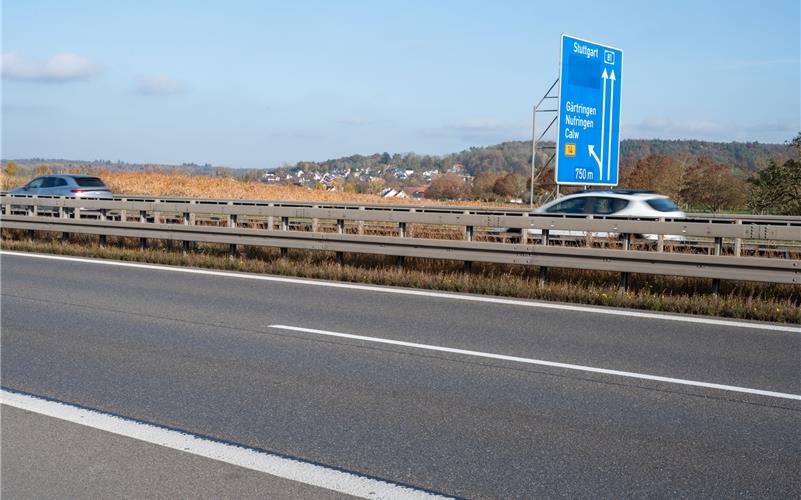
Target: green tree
pixel 11 168
pixel 776 189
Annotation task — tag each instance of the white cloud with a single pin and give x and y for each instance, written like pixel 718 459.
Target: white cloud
pixel 663 128
pixel 483 130
pixel 62 67
pixel 160 85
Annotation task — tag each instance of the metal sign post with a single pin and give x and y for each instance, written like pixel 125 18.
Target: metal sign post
pixel 534 139
pixel 588 133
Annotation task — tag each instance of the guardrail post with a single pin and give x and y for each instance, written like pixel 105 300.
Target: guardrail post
pixel 284 227
pixel 468 236
pixel 142 220
pixel 588 235
pixel 186 244
pixel 340 230
pixel 270 218
pixel 315 224
pixel 660 239
pixel 30 211
pixel 232 246
pixel 64 214
pixel 102 238
pixel 738 242
pixel 400 259
pixel 624 276
pixel 524 233
pixel 543 269
pixel 718 249
pixel 360 229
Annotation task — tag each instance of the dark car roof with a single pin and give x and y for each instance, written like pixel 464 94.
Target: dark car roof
pixel 72 176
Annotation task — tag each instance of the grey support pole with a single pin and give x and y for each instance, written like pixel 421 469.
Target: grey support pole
pixel 401 234
pixel 142 220
pixel 716 281
pixel 232 246
pixel 284 227
pixel 468 236
pixel 624 276
pixel 340 230
pixel 186 244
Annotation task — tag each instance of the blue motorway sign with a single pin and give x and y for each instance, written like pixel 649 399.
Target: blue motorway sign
pixel 588 137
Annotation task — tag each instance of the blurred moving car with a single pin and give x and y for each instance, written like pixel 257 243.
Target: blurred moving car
pixel 72 185
pixel 628 203
pixel 614 202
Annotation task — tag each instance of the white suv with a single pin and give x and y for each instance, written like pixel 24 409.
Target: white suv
pixel 614 202
pixel 630 203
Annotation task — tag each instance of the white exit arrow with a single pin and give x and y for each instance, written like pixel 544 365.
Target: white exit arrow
pixel 591 150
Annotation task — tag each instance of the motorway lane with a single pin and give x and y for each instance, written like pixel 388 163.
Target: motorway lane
pixel 44 457
pixel 195 352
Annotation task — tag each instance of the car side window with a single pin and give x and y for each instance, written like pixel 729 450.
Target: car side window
pixel 35 184
pixel 60 182
pixel 49 182
pixel 606 206
pixel 571 206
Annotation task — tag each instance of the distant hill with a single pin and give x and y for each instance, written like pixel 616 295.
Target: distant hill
pixel 514 156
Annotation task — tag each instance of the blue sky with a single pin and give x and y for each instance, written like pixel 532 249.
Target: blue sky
pixel 257 84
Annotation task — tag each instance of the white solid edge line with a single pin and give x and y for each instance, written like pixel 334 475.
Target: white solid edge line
pixel 530 361
pixel 275 465
pixel 420 293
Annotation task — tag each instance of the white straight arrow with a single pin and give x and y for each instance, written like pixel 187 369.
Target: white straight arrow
pixel 605 75
pixel 611 115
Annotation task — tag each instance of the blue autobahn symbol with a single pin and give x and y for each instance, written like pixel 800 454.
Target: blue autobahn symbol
pixel 589 113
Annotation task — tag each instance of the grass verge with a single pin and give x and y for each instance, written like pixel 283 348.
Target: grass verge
pixel 741 300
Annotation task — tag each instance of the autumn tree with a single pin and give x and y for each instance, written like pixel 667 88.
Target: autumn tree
pixel 449 186
pixel 659 173
pixel 712 186
pixel 482 187
pixel 510 186
pixel 11 168
pixel 41 170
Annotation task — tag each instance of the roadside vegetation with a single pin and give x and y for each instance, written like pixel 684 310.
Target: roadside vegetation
pixel 699 176
pixel 741 300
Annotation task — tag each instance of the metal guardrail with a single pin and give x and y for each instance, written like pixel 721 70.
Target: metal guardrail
pixel 112 218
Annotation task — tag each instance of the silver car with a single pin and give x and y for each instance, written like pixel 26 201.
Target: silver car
pixel 630 203
pixel 72 185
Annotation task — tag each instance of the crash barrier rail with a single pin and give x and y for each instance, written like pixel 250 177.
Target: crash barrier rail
pixel 271 224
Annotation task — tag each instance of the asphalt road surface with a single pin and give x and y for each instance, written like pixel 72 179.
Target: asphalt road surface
pixel 469 398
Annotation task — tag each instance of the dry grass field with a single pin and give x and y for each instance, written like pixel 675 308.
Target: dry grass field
pixel 195 186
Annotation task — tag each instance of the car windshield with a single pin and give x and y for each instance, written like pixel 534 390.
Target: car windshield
pixel 36 183
pixel 663 205
pixel 89 182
